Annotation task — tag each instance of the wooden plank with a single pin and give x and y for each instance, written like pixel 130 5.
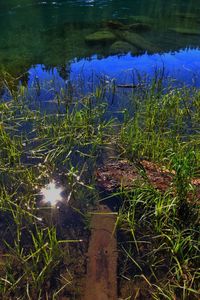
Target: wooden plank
pixel 101 281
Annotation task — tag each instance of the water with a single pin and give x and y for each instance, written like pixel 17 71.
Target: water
pixel 51 35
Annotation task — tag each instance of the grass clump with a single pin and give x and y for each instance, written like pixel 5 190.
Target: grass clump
pixel 160 229
pixel 38 243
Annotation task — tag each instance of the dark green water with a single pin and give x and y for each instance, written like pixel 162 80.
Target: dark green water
pixel 53 32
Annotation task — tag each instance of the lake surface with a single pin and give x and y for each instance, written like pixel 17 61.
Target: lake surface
pixel 42 36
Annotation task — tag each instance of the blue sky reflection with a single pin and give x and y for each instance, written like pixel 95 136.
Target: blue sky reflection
pixel 183 66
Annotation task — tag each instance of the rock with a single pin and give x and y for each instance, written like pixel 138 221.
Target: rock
pixel 115 25
pixel 121 47
pixel 101 37
pixel 138 27
pixel 136 40
pixel 188 31
pixel 189 16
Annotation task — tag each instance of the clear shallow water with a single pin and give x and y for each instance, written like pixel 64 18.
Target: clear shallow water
pixel 53 34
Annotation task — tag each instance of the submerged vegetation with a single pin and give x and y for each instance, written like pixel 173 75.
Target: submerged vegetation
pixel 56 32
pixel 158 229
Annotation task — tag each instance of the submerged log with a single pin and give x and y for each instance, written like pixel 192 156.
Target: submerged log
pixel 129 86
pixel 114 175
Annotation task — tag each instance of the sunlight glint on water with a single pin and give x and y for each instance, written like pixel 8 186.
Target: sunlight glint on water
pixel 52 193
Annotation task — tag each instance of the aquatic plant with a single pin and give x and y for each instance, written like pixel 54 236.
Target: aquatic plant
pixel 159 230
